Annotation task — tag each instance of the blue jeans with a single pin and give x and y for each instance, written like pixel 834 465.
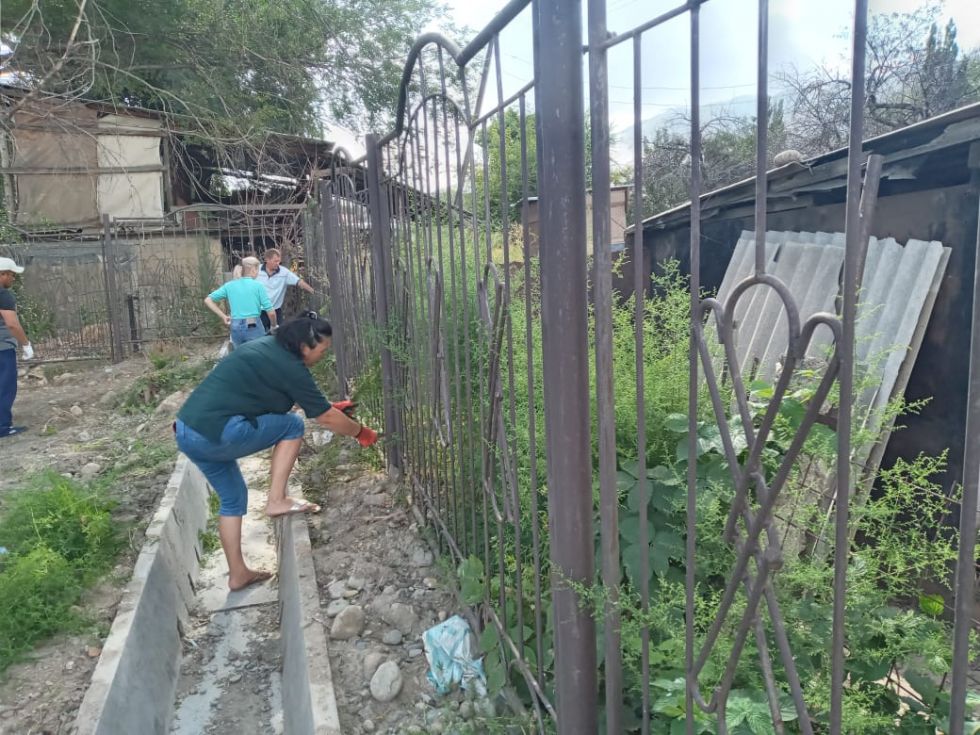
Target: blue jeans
pixel 8 388
pixel 240 438
pixel 242 331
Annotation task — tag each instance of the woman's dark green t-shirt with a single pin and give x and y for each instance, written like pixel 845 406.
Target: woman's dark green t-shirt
pixel 259 377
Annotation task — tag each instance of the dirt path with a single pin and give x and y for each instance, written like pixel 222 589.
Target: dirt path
pixel 77 429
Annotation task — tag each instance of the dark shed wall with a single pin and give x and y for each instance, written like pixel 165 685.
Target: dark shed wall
pixel 948 215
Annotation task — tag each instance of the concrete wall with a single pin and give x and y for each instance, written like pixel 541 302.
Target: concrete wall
pixel 940 373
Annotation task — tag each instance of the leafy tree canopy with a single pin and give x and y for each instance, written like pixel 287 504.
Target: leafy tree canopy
pixel 254 64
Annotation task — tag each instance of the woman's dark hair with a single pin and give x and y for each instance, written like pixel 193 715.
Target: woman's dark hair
pixel 308 330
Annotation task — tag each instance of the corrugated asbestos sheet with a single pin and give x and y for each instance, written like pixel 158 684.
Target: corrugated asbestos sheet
pixel 898 291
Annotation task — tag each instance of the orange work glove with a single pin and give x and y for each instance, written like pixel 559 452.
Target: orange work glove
pixel 366 437
pixel 346 407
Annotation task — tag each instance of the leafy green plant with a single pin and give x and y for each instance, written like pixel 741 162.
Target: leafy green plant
pixel 62 516
pixel 59 538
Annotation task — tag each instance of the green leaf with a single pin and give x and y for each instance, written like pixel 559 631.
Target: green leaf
pixel 629 529
pixel 624 481
pixel 470 573
pixel 923 685
pixel 631 467
pixel 633 555
pixel 669 543
pixel 677 423
pixel 932 604
pixel 664 476
pixel 638 496
pixel 489 639
pixel 496 673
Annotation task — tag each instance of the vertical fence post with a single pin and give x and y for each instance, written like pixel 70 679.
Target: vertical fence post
pixel 853 228
pixel 381 252
pixel 559 106
pixel 340 313
pixel 965 587
pixel 605 402
pixel 111 291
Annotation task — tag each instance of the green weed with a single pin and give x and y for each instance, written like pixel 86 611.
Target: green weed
pixel 210 541
pixel 59 539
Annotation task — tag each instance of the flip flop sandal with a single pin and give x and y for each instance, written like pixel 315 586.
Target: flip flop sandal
pixel 13 431
pixel 299 506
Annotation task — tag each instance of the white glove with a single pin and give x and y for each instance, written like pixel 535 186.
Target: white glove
pixel 28 353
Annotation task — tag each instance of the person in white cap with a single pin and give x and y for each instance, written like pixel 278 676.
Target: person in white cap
pixel 12 334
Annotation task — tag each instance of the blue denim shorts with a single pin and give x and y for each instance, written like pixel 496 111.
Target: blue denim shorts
pixel 240 438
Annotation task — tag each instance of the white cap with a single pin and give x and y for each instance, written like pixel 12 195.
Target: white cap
pixel 7 264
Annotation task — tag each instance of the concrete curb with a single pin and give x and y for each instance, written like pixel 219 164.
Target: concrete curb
pixel 309 704
pixel 134 683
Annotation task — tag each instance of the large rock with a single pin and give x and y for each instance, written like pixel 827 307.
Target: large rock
pixel 401 616
pixel 421 557
pixel 348 624
pixel 386 682
pixel 372 661
pixel 170 405
pixel 89 470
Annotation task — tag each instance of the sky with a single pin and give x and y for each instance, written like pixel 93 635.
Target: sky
pixel 803 33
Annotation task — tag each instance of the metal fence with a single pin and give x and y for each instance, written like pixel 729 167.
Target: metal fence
pixel 475 324
pixel 110 294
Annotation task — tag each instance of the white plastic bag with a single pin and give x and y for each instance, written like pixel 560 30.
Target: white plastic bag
pixel 449 651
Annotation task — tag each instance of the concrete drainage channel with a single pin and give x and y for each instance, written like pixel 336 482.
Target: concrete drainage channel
pixel 183 650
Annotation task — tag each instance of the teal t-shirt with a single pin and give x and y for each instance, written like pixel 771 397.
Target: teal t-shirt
pixel 259 377
pixel 247 298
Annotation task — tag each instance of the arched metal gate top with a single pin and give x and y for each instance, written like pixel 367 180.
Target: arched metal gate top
pixel 470 305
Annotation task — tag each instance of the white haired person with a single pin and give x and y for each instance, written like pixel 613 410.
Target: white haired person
pixel 244 406
pixel 12 335
pixel 247 302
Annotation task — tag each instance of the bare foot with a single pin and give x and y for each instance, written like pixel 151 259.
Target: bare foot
pixel 290 506
pixel 252 576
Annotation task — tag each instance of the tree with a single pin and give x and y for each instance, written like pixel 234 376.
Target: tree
pixel 728 146
pixel 255 65
pixel 915 70
pixel 489 185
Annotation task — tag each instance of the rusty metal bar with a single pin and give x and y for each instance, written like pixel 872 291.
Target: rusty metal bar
pixel 112 291
pixel 605 399
pixel 845 348
pixel 639 318
pixel 762 139
pixel 965 588
pixel 329 222
pixel 564 313
pixel 531 397
pixel 691 677
pixel 380 234
pixel 690 5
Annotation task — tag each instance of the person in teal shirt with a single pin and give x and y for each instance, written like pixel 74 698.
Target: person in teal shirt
pixel 247 300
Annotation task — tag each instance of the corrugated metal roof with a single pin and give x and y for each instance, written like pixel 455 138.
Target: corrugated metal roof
pixel 898 290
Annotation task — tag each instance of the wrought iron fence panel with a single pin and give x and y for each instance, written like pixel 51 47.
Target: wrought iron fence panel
pixel 469 309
